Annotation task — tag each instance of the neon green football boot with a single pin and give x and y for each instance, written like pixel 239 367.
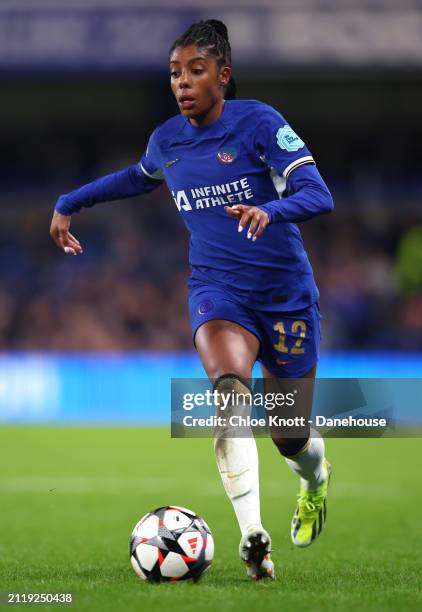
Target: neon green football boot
pixel 311 512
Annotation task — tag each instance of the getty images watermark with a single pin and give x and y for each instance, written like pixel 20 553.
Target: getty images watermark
pixel 270 402
pixel 289 407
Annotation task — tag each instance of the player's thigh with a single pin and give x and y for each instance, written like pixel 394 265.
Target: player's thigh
pixel 226 347
pixel 224 332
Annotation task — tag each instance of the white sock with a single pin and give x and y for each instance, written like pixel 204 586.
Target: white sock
pixel 308 464
pixel 237 460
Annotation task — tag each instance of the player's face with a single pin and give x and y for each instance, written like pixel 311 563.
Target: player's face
pixel 198 84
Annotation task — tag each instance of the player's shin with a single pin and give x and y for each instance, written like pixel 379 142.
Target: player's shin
pixel 236 453
pixel 305 457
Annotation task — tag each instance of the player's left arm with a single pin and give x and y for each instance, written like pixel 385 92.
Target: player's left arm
pixel 303 193
pixel 307 197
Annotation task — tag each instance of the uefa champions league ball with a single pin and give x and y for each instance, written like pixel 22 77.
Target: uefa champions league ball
pixel 171 543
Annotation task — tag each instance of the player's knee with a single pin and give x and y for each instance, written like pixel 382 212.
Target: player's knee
pixel 289 447
pixel 232 383
pixel 217 370
pixel 233 398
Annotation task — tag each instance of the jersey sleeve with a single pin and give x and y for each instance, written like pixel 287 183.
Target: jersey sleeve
pixel 150 163
pixel 278 145
pixel 307 197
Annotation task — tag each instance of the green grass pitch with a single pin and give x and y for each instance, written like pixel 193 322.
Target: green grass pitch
pixel 69 498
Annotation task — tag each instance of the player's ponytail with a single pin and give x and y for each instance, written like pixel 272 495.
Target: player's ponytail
pixel 213 36
pixel 219 27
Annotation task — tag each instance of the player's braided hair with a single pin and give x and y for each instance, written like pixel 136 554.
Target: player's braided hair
pixel 211 35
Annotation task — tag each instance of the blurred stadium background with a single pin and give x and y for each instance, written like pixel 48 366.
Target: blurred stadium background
pixel 84 83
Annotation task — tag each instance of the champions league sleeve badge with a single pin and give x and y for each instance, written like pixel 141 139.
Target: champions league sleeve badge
pixel 288 140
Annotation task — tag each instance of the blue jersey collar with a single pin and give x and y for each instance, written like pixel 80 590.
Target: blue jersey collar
pixel 216 128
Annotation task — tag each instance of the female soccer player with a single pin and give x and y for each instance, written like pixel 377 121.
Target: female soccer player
pixel 241 179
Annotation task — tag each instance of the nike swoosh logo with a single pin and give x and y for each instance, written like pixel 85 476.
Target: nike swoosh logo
pixel 173 161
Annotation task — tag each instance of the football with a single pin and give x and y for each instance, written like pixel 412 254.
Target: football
pixel 171 543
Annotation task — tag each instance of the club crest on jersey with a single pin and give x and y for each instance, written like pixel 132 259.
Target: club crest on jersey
pixel 227 156
pixel 288 140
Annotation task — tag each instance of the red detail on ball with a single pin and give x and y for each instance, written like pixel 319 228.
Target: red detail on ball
pixel 192 543
pixel 160 557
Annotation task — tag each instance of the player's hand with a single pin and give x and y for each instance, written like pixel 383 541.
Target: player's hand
pixel 252 215
pixel 59 231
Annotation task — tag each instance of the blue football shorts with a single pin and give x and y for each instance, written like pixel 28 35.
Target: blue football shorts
pixel 289 341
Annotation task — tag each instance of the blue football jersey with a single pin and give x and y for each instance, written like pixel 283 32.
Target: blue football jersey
pixel 246 156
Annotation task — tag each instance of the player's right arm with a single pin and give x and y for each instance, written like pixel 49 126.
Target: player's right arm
pixel 135 180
